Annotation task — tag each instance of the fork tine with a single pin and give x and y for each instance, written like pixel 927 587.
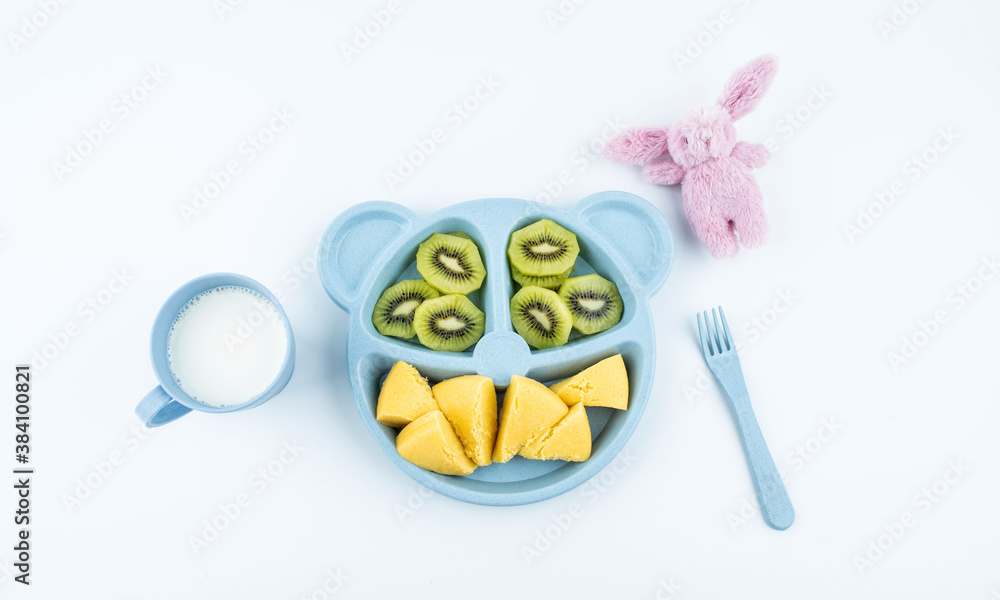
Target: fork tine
pixel 730 344
pixel 710 334
pixel 723 342
pixel 717 332
pixel 705 349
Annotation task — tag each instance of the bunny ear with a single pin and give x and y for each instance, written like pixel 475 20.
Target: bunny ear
pixel 747 86
pixel 638 146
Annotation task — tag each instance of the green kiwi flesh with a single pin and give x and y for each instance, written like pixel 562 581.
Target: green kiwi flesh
pixel 451 264
pixel 551 282
pixel 543 249
pixel 393 314
pixel 593 301
pixel 540 317
pixel 449 323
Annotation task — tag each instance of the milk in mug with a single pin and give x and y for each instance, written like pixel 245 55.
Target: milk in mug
pixel 226 346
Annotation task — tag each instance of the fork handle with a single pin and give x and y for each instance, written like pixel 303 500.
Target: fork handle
pixel 775 504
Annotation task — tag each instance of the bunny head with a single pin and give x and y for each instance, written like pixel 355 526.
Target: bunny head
pixel 707 132
pixel 702 134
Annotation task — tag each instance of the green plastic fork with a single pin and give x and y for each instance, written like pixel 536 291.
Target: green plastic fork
pixel 720 354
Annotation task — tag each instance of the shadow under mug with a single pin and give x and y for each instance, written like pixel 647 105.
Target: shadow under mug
pixel 168 401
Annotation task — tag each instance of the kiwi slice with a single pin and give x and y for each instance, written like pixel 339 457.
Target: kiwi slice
pixel 593 301
pixel 543 249
pixel 551 282
pixel 540 317
pixel 451 264
pixel 393 315
pixel 462 235
pixel 449 323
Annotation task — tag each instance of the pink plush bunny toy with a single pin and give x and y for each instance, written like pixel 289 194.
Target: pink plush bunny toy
pixel 721 196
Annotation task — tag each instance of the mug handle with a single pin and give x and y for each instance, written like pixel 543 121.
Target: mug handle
pixel 158 408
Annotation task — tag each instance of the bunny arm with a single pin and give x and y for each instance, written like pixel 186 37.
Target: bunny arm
pixel 663 172
pixel 638 146
pixel 752 155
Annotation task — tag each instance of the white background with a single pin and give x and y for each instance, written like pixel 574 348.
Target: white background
pixel 673 515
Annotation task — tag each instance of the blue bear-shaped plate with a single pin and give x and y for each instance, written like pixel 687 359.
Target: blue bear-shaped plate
pixel 622 237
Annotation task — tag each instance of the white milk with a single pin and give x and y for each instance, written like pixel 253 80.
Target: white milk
pixel 226 346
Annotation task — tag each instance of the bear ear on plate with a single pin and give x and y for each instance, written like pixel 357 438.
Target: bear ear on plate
pixel 355 244
pixel 635 231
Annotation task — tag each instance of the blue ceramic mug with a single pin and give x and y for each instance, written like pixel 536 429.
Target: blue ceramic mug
pixel 168 401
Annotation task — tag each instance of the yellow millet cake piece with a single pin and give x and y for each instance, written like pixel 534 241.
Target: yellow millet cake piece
pixel 405 396
pixel 569 439
pixel 470 405
pixel 529 410
pixel 604 384
pixel 430 443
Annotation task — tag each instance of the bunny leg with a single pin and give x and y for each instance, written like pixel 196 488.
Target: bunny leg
pixel 715 231
pixel 751 223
